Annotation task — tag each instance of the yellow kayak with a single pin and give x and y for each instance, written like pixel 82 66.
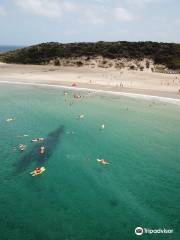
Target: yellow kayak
pixel 38 172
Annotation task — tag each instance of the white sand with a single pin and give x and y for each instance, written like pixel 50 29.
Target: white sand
pixel 136 82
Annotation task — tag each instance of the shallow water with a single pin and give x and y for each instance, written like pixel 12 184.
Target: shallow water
pixel 77 198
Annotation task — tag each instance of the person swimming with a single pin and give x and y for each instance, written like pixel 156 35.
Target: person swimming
pixel 77 96
pixel 42 150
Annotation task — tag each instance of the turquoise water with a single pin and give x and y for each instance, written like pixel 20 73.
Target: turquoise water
pixel 77 198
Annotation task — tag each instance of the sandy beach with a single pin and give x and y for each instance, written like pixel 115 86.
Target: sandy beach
pixel 125 81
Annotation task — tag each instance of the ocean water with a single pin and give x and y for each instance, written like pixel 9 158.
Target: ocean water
pixel 77 198
pixel 4 48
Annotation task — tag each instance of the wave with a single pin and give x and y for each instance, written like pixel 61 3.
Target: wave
pixel 132 95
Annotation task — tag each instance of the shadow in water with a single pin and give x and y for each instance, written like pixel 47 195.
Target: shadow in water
pixel 34 155
pixel 114 203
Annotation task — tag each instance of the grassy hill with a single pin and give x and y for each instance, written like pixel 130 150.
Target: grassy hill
pixel 167 54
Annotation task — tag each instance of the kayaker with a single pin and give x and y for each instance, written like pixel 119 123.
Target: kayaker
pixel 22 147
pixel 38 170
pixel 102 161
pixel 42 150
pixel 37 140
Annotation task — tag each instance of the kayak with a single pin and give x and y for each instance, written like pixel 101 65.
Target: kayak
pixel 37 140
pixel 34 173
pixel 81 116
pixel 102 161
pixel 102 126
pixel 10 119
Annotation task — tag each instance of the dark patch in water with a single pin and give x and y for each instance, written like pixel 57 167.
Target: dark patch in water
pixel 114 203
pixel 53 203
pixel 10 225
pixel 34 155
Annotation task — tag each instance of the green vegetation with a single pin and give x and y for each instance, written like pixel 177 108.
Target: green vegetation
pixel 162 53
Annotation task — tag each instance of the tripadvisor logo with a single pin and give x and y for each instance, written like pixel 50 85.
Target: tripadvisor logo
pixel 139 231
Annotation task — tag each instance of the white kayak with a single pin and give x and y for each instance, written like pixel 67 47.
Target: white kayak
pixel 36 173
pixel 102 161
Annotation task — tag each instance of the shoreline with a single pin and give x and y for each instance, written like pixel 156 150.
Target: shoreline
pixel 125 94
pixel 146 85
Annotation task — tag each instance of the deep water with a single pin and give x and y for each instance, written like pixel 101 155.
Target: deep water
pixel 77 198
